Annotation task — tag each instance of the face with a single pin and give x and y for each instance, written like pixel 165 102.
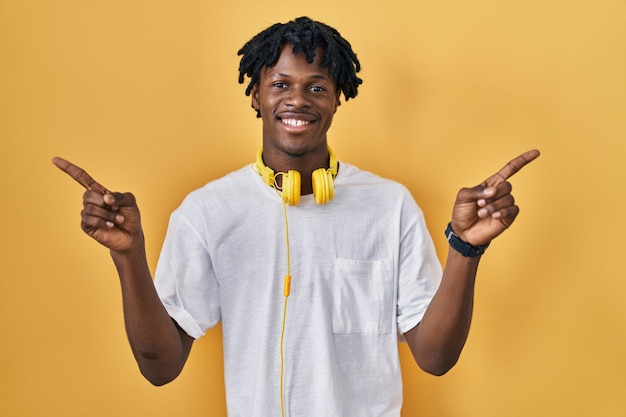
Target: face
pixel 297 101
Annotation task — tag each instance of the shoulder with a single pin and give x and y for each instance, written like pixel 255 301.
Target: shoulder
pixel 369 191
pixel 218 192
pixel 352 176
pixel 225 184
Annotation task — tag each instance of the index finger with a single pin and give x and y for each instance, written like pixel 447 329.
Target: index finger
pixel 512 167
pixel 79 175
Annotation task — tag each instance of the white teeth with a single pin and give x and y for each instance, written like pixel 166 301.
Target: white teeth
pixel 295 122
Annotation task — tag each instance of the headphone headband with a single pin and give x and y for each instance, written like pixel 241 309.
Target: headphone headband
pixel 322 180
pixel 268 174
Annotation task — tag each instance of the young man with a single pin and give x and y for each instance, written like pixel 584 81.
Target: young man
pixel 314 267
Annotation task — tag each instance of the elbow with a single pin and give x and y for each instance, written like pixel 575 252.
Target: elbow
pixel 433 357
pixel 438 365
pixel 157 377
pixel 162 363
pixel 438 368
pixel 159 382
pixel 158 371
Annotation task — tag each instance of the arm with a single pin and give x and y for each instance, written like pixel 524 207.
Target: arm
pixel 160 347
pixel 480 214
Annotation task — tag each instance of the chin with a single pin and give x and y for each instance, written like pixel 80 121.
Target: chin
pixel 296 148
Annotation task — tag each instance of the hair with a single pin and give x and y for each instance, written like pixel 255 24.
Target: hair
pixel 306 35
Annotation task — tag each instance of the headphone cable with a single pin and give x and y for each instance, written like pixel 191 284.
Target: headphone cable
pixel 286 292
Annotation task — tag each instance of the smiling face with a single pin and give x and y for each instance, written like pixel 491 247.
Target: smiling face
pixel 297 101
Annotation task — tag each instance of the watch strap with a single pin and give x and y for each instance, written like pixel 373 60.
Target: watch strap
pixel 463 247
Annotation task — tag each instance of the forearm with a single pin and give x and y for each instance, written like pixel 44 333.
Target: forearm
pixel 154 338
pixel 437 342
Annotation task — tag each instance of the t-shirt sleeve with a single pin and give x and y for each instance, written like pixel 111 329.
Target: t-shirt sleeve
pixel 419 271
pixel 184 277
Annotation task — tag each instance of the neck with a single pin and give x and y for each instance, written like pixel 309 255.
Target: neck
pixel 304 163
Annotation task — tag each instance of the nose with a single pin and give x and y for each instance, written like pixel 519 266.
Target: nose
pixel 298 98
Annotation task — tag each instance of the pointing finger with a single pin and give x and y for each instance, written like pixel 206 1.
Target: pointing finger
pixel 79 175
pixel 512 167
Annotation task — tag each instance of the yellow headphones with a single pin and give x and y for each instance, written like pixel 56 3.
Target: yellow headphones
pixel 322 178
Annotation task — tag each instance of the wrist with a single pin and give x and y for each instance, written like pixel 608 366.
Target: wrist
pixel 461 246
pixel 136 249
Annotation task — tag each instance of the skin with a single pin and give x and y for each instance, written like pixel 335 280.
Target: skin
pixel 294 90
pixel 479 215
pixel 159 346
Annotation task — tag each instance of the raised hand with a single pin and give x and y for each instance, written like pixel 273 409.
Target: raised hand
pixel 483 212
pixel 112 219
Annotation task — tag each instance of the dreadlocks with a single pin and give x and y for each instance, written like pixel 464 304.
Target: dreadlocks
pixel 306 36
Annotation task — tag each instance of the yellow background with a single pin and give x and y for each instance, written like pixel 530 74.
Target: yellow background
pixel 144 95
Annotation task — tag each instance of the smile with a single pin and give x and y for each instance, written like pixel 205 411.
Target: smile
pixel 295 122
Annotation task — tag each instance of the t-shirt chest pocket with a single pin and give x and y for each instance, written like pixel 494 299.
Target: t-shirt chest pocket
pixel 363 296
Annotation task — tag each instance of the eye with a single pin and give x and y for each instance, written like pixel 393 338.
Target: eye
pixel 318 89
pixel 279 85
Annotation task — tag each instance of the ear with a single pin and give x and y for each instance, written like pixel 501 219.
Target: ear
pixel 337 101
pixel 254 96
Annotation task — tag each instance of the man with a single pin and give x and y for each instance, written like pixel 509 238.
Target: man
pixel 313 266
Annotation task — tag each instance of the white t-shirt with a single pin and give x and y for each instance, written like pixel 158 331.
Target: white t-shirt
pixel 363 270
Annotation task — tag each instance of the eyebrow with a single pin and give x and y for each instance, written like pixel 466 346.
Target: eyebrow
pixel 314 76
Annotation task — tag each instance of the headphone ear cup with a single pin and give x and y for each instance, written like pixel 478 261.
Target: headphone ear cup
pixel 323 188
pixel 291 187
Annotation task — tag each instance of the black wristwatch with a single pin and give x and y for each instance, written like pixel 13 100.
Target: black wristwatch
pixel 463 247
